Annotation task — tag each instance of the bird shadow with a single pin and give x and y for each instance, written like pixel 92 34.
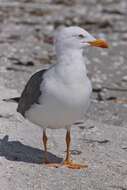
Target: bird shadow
pixel 17 151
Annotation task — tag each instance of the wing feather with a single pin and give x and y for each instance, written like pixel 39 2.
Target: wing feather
pixel 31 92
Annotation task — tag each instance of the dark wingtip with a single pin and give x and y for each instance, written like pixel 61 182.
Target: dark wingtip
pixel 15 99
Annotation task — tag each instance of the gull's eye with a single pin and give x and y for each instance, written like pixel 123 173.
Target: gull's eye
pixel 81 36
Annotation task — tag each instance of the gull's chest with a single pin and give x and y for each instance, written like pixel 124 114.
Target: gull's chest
pixel 59 93
pixel 61 103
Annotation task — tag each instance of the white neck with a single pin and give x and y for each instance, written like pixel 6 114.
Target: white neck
pixel 72 57
pixel 71 64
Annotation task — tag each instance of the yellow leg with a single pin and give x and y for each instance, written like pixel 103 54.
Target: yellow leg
pixel 45 139
pixel 68 162
pixel 68 142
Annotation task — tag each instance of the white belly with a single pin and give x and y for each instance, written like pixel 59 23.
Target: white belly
pixel 60 107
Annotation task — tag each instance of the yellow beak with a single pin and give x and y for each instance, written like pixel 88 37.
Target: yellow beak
pixel 99 43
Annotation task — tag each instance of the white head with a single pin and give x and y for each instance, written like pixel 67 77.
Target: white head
pixel 76 38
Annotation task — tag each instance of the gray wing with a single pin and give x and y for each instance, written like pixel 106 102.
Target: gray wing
pixel 31 92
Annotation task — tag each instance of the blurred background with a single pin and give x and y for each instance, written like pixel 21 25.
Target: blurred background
pixel 26 27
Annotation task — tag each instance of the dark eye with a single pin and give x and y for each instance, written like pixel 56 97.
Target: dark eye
pixel 81 36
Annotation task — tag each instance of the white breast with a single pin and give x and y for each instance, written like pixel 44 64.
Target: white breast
pixel 61 104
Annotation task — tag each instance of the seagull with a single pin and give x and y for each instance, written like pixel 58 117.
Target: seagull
pixel 59 96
